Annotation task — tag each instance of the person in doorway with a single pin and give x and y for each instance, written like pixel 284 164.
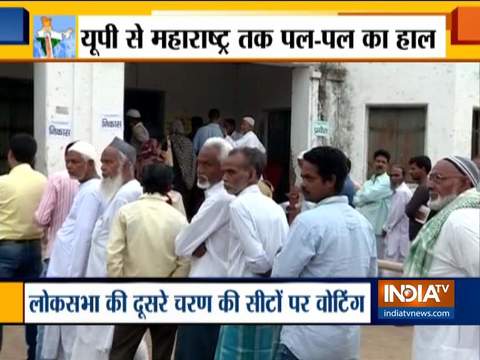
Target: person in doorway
pixel 20 236
pixel 259 228
pixel 140 133
pixel 396 225
pixel 183 164
pixel 448 246
pixel 142 244
pixel 417 210
pixel 331 240
pixel 196 123
pixel 373 199
pixel 212 129
pixel 249 138
pixel 230 129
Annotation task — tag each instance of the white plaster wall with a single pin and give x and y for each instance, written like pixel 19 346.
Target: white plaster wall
pixel 87 90
pixel 450 92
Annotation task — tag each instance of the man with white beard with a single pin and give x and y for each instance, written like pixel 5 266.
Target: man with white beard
pixel 205 241
pixel 71 247
pixel 448 245
pixel 118 187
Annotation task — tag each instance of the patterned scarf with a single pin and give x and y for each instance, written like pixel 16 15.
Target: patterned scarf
pixel 420 257
pixel 182 149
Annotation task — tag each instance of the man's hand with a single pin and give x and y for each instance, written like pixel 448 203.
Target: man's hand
pixel 200 251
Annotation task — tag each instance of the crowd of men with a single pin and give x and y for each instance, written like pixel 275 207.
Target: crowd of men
pixel 105 216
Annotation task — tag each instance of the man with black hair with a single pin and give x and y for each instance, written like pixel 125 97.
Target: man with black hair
pixel 417 210
pixel 212 129
pixel 373 199
pixel 330 240
pixel 142 244
pixel 21 191
pixel 259 228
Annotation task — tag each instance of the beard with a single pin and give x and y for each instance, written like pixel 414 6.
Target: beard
pixel 110 186
pixel 440 202
pixel 203 183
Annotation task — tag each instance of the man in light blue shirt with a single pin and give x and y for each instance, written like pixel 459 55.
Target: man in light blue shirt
pixel 212 129
pixel 330 240
pixel 373 199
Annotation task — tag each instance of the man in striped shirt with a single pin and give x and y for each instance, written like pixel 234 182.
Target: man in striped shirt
pixel 55 205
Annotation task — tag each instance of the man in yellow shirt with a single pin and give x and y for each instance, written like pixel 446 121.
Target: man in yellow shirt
pixel 142 244
pixel 20 194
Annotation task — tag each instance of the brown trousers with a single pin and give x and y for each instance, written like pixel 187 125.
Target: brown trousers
pixel 126 339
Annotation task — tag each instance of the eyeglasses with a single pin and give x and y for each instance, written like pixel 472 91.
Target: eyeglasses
pixel 437 179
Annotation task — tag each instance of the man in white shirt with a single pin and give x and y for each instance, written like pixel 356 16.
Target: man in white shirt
pixel 395 229
pixel 118 187
pixel 249 138
pixel 140 133
pixel 71 247
pixel 448 245
pixel 205 242
pixel 259 228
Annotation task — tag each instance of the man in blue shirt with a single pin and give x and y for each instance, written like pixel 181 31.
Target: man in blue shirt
pixel 330 240
pixel 212 129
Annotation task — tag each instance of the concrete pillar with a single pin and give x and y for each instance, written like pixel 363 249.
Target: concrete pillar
pixel 75 101
pixel 305 108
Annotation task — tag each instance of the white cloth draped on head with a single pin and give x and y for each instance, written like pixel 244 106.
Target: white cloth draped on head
pixel 87 150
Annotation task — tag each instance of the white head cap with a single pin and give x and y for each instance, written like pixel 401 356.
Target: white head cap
pixel 88 152
pixel 134 113
pixel 85 149
pixel 249 120
pixel 300 156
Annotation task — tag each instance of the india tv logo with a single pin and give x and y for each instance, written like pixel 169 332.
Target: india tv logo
pixel 54 37
pixel 416 299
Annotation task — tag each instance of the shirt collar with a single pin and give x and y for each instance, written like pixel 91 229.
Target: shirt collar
pixel 336 199
pixel 155 196
pixel 252 189
pixel 214 189
pixel 21 168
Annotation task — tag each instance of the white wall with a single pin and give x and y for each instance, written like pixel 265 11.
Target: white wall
pixel 449 90
pixel 85 92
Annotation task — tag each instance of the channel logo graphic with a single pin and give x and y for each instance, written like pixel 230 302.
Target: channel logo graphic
pixel 416 299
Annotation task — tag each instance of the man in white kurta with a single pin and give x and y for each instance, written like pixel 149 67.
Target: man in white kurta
pixel 205 242
pixel 119 187
pixel 70 251
pixel 259 228
pixel 448 245
pixel 396 227
pixel 249 138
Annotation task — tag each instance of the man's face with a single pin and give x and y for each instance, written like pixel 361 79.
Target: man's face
pixel 209 169
pixel 77 166
pixel 396 177
pixel 314 187
pixel 132 121
pixel 110 162
pixel 416 173
pixel 236 174
pixel 381 165
pixel 245 127
pixel 445 183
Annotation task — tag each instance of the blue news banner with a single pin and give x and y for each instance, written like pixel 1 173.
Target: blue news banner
pixel 385 301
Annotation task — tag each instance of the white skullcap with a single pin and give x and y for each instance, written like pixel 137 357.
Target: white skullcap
pixel 85 149
pixel 134 113
pixel 300 156
pixel 249 120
